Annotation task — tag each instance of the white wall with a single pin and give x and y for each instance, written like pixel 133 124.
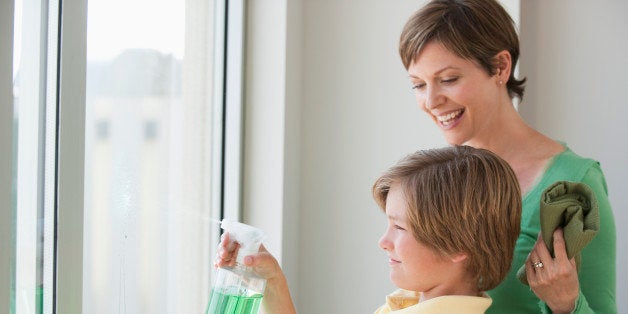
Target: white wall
pixel 574 55
pixel 324 123
pixel 358 117
pixel 273 100
pixel 328 107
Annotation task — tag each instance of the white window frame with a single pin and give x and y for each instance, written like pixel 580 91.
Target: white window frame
pixel 68 277
pixel 233 106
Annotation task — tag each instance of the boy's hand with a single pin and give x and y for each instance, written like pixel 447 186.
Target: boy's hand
pixel 277 297
pixel 227 252
pixel 263 263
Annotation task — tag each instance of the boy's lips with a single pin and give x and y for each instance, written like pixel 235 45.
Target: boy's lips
pixel 392 261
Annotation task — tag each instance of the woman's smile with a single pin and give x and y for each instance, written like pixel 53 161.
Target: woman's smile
pixel 450 119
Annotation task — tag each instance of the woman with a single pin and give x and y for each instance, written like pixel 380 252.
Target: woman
pixel 460 56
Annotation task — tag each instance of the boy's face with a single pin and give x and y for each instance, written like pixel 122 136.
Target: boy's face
pixel 413 265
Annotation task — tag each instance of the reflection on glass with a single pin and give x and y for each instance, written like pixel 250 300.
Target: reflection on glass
pixel 148 148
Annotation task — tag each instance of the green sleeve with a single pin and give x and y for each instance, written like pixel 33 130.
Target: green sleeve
pixel 581 306
pixel 597 274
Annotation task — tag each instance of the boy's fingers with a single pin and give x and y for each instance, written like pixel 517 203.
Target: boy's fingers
pixel 262 248
pixel 224 239
pixel 227 244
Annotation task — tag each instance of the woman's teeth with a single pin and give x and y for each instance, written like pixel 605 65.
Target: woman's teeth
pixel 448 118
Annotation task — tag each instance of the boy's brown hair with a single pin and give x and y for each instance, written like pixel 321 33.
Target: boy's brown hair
pixel 460 200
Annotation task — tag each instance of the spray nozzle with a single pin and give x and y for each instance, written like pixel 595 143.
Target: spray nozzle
pixel 249 237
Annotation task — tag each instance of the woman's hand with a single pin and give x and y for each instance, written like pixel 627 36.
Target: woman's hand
pixel 553 280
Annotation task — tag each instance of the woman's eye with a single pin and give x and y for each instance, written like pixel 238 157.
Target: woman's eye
pixel 449 80
pixel 418 86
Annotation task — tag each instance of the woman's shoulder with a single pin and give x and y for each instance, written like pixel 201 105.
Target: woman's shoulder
pixel 569 163
pixel 570 166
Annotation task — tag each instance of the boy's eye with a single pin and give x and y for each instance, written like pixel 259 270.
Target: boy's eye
pixel 398 227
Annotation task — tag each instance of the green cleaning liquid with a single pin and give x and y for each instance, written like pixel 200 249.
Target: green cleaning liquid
pixel 238 289
pixel 222 303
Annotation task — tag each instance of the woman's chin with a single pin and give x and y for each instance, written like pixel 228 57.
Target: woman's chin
pixel 454 140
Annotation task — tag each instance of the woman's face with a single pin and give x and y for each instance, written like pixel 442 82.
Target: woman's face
pixel 458 94
pixel 413 265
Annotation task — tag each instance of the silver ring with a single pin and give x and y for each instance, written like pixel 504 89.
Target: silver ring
pixel 538 264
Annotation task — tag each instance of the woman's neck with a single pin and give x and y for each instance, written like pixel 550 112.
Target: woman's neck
pixel 526 150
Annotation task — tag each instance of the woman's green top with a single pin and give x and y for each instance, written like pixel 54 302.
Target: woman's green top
pixel 597 273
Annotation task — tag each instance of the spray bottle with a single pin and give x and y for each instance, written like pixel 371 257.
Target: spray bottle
pixel 237 289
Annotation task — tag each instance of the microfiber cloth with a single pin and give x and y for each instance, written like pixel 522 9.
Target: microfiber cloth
pixel 573 207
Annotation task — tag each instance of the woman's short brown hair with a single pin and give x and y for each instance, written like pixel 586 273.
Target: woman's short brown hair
pixel 460 200
pixel 472 29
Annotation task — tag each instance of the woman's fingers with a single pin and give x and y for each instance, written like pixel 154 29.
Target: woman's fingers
pixel 529 265
pixel 553 280
pixel 560 248
pixel 542 252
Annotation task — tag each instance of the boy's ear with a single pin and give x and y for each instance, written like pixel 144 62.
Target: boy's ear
pixel 457 258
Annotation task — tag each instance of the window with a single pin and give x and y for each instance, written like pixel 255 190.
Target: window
pixel 148 131
pixel 120 125
pixel 29 98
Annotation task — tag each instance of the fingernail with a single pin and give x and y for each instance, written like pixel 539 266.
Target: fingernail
pixel 248 260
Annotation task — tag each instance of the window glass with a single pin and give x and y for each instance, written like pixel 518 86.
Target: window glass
pixel 149 144
pixel 28 105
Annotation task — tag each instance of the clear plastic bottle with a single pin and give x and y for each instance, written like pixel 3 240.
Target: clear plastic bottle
pixel 238 290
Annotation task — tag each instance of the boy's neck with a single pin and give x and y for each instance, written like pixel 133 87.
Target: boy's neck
pixel 465 288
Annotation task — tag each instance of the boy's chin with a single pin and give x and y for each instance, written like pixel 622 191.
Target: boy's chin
pixel 401 282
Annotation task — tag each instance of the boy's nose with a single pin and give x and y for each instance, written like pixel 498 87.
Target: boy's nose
pixel 384 243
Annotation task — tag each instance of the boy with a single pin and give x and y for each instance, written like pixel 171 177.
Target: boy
pixel 453 219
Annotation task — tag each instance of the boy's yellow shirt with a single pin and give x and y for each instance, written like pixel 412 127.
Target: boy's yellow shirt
pixel 407 302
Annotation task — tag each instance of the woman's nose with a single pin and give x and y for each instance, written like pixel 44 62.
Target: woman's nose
pixel 433 98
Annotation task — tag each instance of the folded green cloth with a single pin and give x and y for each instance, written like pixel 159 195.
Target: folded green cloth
pixel 573 207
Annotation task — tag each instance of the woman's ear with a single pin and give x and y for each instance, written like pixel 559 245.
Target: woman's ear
pixel 503 65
